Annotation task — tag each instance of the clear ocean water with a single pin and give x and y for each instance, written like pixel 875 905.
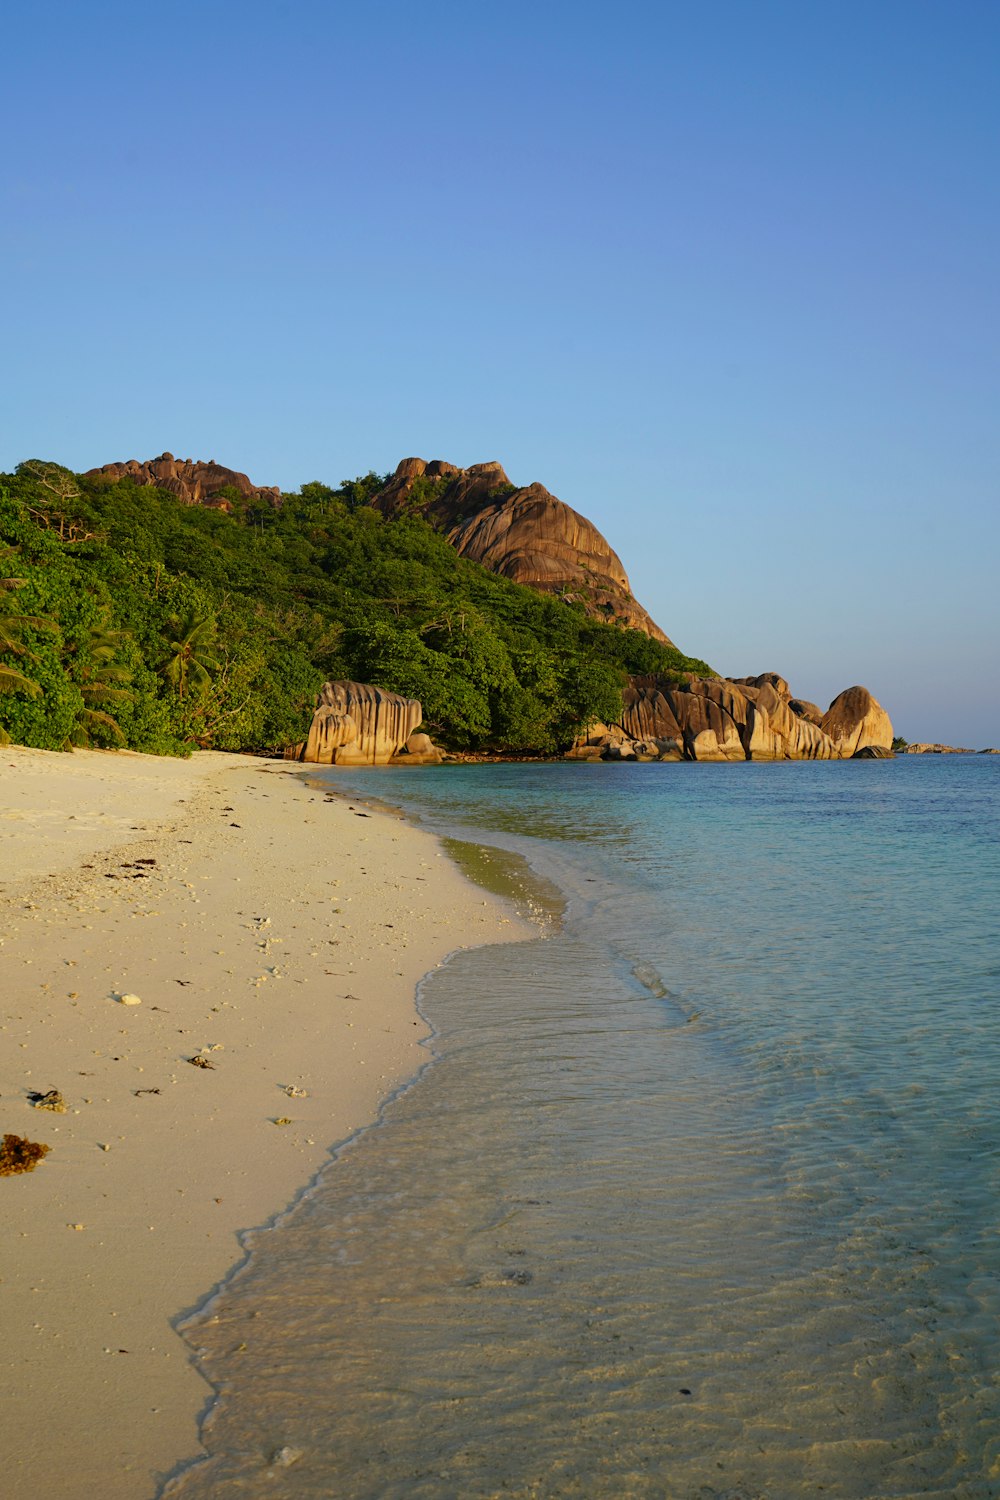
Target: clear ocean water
pixel 700 1196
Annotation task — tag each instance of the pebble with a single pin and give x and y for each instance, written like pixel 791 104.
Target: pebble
pixel 129 1000
pixel 283 1458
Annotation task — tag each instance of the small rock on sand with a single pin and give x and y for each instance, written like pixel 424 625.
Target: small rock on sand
pixel 283 1458
pixel 52 1100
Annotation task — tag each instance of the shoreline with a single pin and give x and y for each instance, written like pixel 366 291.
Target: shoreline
pixel 275 931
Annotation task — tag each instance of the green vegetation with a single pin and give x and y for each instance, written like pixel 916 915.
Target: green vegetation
pixel 12 644
pixel 129 618
pixel 899 744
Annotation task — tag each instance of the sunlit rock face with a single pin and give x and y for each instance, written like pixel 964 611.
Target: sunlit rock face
pixel 524 534
pixel 191 479
pixel 747 718
pixel 356 724
pixel 855 722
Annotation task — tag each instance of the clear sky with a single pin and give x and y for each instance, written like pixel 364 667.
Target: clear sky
pixel 723 276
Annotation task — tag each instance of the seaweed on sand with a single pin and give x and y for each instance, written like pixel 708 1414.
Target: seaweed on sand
pixel 18 1154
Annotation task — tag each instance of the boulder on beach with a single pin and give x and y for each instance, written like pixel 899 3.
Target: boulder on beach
pixel 356 724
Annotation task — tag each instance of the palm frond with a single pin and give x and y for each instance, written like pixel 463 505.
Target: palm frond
pixel 91 717
pixel 13 681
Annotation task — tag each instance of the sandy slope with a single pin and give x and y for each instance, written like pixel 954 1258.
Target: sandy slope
pixel 280 936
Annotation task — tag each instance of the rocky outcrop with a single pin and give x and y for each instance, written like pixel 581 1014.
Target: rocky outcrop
pixel 191 480
pixel 854 721
pixel 522 533
pixel 746 718
pixel 927 749
pixel 356 724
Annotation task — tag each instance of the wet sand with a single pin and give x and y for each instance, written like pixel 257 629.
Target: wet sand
pixel 273 932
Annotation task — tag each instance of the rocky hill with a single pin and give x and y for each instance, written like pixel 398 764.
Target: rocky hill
pixel 521 533
pixel 525 533
pixel 191 479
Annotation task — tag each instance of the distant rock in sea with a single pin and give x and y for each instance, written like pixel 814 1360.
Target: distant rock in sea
pixel 190 479
pixel 524 533
pixel 926 749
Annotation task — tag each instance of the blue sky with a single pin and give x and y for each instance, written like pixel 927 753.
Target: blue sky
pixel 723 276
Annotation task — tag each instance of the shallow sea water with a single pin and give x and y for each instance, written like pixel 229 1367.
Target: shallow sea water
pixel 699 1197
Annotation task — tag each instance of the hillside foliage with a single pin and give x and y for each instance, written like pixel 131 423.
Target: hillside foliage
pixel 128 618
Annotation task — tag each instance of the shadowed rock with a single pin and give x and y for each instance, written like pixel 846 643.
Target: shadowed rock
pixel 419 750
pixel 806 710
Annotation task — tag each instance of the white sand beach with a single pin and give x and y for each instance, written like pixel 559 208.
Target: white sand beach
pixel 273 932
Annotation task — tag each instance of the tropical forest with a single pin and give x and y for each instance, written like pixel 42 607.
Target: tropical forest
pixel 131 619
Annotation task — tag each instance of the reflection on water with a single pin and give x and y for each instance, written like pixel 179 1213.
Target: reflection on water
pixel 700 1198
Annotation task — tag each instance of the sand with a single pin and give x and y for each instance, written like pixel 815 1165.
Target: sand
pixel 279 936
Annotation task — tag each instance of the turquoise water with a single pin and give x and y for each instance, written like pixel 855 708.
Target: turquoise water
pixel 700 1196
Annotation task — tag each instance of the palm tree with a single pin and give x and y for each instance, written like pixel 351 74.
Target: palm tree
pixel 190 658
pixel 12 625
pixel 11 644
pixel 101 681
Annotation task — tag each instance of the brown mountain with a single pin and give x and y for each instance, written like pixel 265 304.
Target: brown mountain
pixel 524 534
pixel 190 479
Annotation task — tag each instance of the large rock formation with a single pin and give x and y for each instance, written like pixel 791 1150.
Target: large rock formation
pixel 356 724
pixel 191 480
pixel 745 718
pixel 855 722
pixel 525 534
